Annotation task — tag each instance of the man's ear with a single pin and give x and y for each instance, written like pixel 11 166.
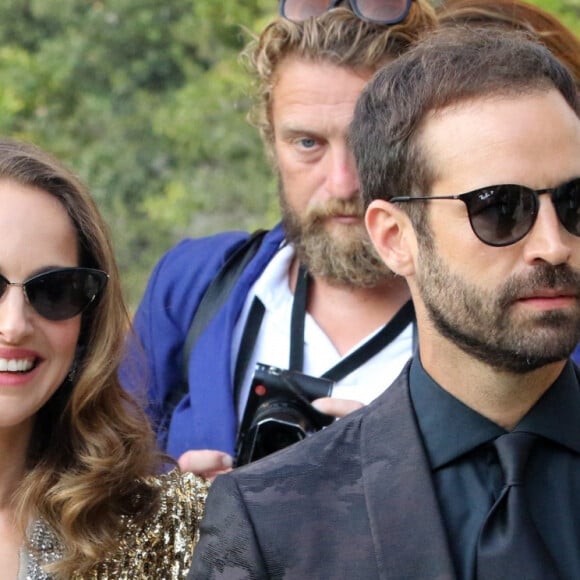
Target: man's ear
pixel 392 235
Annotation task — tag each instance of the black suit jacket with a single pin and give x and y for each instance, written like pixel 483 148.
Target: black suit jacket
pixel 355 501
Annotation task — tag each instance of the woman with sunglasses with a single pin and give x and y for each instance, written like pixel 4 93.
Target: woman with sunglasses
pixel 81 495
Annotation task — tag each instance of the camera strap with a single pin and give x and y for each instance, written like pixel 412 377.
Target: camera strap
pixel 297 320
pixel 374 345
pixel 247 343
pixel 404 317
pixel 353 361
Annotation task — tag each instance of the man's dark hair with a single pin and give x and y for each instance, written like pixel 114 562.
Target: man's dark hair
pixel 451 66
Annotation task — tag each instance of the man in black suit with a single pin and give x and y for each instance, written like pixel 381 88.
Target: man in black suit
pixel 468 151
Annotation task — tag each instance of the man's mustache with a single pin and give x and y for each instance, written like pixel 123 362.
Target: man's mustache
pixel 334 208
pixel 562 278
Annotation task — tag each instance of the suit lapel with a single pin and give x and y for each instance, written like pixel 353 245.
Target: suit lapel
pixel 405 520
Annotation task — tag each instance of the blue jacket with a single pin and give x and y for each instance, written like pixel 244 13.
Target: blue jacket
pixel 206 417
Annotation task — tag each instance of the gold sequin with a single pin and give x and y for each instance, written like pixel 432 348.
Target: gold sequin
pixel 159 550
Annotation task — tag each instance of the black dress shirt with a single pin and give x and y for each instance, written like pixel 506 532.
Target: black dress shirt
pixel 468 477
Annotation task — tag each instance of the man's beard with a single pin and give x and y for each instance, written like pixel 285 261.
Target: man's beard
pixel 484 324
pixel 345 257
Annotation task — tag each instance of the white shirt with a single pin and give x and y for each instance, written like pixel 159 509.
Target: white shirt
pixel 273 342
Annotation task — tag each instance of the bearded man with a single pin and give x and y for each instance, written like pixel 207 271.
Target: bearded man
pixel 314 299
pixel 468 466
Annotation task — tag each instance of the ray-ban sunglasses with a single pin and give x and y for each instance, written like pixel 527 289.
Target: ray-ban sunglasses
pixel 378 11
pixel 61 293
pixel 501 215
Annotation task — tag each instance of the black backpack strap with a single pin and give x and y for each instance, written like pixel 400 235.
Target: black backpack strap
pixel 218 291
pixel 213 298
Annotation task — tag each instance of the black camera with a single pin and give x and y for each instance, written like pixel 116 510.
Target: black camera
pixel 279 413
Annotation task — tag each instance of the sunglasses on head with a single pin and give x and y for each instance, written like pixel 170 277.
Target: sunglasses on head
pixel 378 11
pixel 501 215
pixel 62 293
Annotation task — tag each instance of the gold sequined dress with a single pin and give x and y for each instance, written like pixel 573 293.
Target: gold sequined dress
pixel 159 550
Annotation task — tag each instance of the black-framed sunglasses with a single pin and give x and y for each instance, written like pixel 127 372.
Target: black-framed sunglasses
pixel 378 11
pixel 501 215
pixel 61 293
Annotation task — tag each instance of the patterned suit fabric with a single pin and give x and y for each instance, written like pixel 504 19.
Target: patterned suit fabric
pixel 353 501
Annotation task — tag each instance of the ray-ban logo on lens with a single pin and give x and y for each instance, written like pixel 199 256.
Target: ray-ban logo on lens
pixel 486 194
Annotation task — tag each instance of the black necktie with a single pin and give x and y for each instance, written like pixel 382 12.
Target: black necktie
pixel 509 545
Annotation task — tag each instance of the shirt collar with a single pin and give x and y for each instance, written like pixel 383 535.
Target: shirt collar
pixel 450 429
pixel 556 415
pixel 273 285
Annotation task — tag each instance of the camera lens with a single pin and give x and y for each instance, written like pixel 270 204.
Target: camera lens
pixel 275 427
pixel 273 435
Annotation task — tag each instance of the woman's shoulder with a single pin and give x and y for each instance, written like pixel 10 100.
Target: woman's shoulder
pixel 180 494
pixel 162 546
pixel 172 531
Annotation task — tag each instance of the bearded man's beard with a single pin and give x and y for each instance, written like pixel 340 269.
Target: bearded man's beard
pixel 341 254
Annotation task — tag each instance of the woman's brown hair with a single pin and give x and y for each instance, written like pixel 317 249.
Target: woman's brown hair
pixel 92 446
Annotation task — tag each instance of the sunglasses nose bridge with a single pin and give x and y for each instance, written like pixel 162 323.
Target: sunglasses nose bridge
pixel 546 240
pixel 14 312
pixel 18 285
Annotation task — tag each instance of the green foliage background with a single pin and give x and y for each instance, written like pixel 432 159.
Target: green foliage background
pixel 147 101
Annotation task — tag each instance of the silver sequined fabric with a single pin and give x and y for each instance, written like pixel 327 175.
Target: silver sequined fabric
pixel 159 550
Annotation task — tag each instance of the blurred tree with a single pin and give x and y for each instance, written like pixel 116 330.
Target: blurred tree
pixel 566 10
pixel 147 100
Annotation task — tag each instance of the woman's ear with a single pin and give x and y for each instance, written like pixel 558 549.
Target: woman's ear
pixel 392 235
